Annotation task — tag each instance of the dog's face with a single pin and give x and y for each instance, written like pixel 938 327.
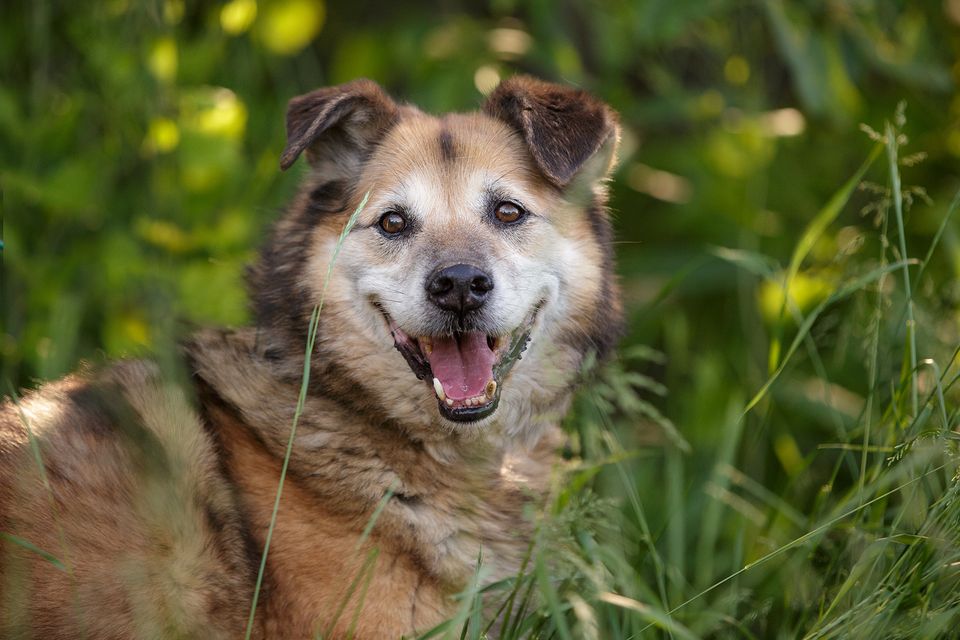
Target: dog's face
pixel 482 239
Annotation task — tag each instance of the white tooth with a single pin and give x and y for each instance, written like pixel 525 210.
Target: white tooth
pixel 469 402
pixel 491 389
pixel 439 389
pixel 449 402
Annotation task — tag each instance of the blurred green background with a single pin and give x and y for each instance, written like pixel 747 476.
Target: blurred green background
pixel 139 144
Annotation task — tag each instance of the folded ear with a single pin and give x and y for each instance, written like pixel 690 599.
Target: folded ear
pixel 568 131
pixel 337 126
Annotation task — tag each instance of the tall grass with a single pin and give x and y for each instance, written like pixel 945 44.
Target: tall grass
pixel 860 540
pixel 694 514
pixel 301 399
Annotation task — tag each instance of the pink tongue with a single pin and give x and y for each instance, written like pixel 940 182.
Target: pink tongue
pixel 463 364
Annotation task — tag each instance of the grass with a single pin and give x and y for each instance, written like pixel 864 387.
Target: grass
pixel 301 399
pixel 696 514
pixel 878 542
pixel 871 552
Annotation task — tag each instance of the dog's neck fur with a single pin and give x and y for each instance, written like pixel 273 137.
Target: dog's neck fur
pixel 454 499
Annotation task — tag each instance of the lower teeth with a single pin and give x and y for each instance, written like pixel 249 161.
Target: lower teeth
pixel 488 394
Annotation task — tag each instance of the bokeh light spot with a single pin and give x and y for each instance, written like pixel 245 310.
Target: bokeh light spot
pixel 162 60
pixel 287 27
pixel 736 70
pixel 163 136
pixel 486 79
pixel 237 16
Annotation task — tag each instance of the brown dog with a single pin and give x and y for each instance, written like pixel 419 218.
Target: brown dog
pixel 129 511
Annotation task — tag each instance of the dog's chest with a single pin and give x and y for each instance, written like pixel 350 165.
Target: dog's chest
pixel 326 571
pixel 459 526
pixel 400 581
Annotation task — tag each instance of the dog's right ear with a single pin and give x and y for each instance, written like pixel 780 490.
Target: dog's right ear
pixel 572 136
pixel 337 126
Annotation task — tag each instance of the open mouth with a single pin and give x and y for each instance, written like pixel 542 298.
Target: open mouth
pixel 465 370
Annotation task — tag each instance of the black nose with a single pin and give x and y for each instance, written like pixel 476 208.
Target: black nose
pixel 459 288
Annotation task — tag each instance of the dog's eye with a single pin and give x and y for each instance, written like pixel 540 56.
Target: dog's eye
pixel 393 222
pixel 508 212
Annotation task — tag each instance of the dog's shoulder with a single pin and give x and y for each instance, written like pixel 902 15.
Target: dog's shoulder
pixel 115 512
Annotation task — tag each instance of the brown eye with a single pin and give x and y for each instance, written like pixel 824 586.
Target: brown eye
pixel 393 222
pixel 508 212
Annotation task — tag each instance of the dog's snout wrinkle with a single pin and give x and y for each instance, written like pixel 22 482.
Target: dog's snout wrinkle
pixel 460 288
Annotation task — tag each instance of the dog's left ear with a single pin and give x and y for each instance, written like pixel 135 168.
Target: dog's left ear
pixel 572 136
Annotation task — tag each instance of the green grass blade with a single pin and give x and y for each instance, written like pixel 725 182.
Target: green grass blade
pixel 951 209
pixel 376 513
pixel 557 615
pixel 801 540
pixel 897 194
pixel 649 614
pixel 365 573
pixel 29 546
pixel 811 234
pixel 845 292
pixel 42 470
pixel 301 399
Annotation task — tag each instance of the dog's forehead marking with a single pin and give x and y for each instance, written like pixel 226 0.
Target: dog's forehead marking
pixel 447 152
pixel 454 142
pixel 446 166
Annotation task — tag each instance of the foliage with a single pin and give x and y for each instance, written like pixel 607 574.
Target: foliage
pixel 138 167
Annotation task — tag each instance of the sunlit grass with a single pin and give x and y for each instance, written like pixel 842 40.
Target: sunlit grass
pixel 871 550
pixel 301 399
pixel 883 530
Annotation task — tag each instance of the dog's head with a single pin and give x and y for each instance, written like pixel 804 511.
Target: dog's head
pixel 483 240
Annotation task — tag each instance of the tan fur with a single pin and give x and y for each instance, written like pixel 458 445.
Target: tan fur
pixel 157 502
pixel 133 534
pixel 427 547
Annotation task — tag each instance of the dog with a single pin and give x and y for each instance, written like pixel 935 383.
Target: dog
pixel 462 267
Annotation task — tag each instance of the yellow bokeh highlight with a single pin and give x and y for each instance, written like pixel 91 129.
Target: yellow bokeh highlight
pixel 736 70
pixel 163 136
pixel 741 148
pixel 117 8
pixel 788 453
pixel 805 291
pixel 162 60
pixel 953 142
pixel 237 16
pixel 226 117
pixel 286 27
pixel 134 329
pixel 173 11
pixel 486 78
pixel 165 235
pixel 709 104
